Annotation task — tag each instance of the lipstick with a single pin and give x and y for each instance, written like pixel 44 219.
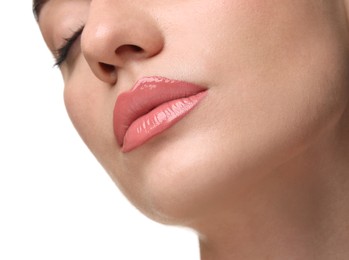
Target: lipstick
pixel 152 106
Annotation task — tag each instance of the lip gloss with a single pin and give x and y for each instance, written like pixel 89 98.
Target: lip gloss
pixel 152 106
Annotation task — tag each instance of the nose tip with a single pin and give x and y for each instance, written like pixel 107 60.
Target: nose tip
pixel 110 42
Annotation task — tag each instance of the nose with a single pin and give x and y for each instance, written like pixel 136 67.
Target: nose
pixel 116 34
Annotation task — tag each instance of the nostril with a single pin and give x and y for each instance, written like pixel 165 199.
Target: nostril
pixel 107 68
pixel 136 48
pixel 108 73
pixel 128 49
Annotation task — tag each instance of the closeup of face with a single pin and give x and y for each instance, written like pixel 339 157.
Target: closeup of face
pixel 273 75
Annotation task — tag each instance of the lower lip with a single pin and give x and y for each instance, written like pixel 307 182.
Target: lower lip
pixel 158 120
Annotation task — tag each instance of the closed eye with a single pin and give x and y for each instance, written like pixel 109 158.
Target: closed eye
pixel 62 53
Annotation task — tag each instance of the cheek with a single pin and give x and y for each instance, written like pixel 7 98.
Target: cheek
pixel 78 108
pixel 90 107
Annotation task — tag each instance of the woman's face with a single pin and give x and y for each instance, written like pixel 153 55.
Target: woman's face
pixel 275 76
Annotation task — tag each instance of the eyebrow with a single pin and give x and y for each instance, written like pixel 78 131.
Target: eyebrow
pixel 37 6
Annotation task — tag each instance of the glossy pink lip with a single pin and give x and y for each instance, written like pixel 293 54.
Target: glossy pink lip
pixel 153 105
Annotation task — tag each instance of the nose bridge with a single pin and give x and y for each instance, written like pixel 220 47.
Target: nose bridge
pixel 115 33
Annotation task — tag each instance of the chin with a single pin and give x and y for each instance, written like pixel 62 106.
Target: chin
pixel 181 183
pixel 176 180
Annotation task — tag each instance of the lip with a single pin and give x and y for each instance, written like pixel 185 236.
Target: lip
pixel 152 106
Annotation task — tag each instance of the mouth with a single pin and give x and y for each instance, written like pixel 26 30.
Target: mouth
pixel 151 107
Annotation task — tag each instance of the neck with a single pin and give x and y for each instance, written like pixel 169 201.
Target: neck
pixel 300 212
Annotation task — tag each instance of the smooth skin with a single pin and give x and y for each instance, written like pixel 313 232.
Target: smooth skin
pixel 260 169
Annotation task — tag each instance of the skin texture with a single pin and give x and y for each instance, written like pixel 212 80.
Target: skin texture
pixel 260 168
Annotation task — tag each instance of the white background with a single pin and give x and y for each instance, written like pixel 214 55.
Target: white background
pixel 56 202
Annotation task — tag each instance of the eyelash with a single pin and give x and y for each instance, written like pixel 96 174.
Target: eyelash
pixel 63 51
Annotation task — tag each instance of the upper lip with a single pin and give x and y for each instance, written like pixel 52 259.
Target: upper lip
pixel 147 94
